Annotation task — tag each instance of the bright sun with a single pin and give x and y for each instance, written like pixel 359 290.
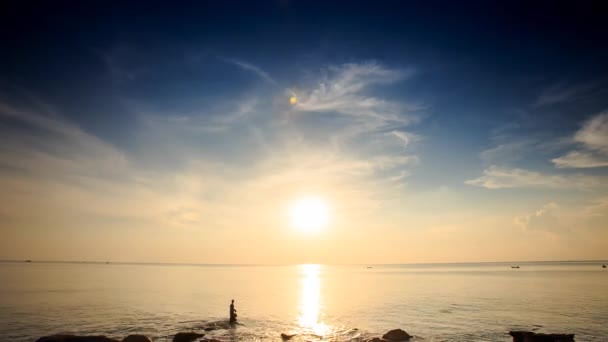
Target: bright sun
pixel 309 214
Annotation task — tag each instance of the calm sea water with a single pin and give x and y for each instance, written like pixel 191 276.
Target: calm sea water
pixel 457 302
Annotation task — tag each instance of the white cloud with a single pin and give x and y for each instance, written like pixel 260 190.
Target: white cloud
pixel 496 177
pixel 252 68
pixel 593 140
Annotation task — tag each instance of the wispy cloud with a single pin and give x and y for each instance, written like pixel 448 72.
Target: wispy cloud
pixel 593 141
pixel 496 177
pixel 543 219
pixel 578 159
pixel 251 68
pixel 122 63
pixel 365 124
pixel 56 143
pixel 342 92
pixel 563 92
pixel 599 208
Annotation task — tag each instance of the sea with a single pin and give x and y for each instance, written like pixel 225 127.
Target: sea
pixel 433 302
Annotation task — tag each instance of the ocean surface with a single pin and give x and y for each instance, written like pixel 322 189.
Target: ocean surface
pixel 434 302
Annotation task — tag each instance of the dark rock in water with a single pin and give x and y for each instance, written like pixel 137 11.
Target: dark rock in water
pixel 74 338
pixel 186 336
pixel 528 336
pixel 136 338
pixel 397 335
pixel 287 336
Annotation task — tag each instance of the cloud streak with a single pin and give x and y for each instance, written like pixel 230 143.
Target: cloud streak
pixel 496 177
pixel 252 68
pixel 563 93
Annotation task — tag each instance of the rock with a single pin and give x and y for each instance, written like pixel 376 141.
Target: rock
pixel 186 336
pixel 396 335
pixel 74 338
pixel 287 336
pixel 136 338
pixel 528 336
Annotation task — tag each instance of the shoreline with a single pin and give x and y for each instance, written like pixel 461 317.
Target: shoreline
pixel 395 335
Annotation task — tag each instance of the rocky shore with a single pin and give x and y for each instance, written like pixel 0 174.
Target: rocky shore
pixel 395 335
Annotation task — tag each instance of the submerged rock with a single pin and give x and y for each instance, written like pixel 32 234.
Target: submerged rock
pixel 528 336
pixel 74 338
pixel 136 338
pixel 186 336
pixel 376 339
pixel 396 335
pixel 287 336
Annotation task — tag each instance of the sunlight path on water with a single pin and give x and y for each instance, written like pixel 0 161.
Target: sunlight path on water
pixel 310 301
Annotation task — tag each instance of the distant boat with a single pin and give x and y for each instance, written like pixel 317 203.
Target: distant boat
pixel 28 260
pixel 107 262
pixel 514 266
pixel 603 266
pixel 372 267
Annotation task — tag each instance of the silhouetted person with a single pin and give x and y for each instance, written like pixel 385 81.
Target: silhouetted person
pixel 232 312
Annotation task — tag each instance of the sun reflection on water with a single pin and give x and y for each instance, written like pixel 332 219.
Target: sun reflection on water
pixel 310 301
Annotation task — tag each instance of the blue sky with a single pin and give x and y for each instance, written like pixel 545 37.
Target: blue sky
pixel 424 121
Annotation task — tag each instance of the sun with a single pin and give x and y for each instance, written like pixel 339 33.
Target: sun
pixel 293 100
pixel 309 214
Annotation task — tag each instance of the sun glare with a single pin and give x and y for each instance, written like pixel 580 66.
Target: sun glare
pixel 309 214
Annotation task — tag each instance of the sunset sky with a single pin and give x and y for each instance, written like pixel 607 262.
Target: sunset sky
pixel 421 131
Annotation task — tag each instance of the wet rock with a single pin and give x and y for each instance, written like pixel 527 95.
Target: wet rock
pixel 186 336
pixel 528 336
pixel 74 338
pixel 136 338
pixel 397 335
pixel 287 336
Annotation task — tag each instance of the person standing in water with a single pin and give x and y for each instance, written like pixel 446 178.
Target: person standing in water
pixel 232 312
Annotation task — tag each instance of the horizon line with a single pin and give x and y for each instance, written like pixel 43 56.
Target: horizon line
pixel 294 264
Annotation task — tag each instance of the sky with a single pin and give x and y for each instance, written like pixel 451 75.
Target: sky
pixel 430 131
